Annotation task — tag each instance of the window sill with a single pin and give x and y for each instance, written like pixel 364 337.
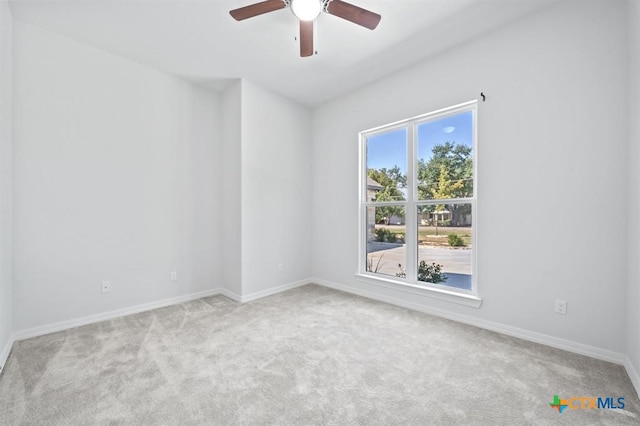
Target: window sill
pixel 435 293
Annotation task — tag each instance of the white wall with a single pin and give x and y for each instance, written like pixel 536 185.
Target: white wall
pixel 6 24
pixel 115 175
pixel 633 297
pixel 231 206
pixel 276 190
pixel 552 138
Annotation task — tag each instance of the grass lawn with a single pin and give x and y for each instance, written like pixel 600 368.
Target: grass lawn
pixel 427 235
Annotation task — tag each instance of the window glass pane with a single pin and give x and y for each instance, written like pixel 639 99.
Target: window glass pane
pixel 386 234
pixel 445 238
pixel 445 157
pixel 387 166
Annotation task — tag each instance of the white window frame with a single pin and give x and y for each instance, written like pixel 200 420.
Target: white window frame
pixel 410 283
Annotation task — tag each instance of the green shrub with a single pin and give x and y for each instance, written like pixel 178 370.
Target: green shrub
pixel 381 234
pixel 431 273
pixel 455 240
pixel 385 235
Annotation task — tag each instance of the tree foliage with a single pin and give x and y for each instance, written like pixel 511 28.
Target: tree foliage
pixel 447 174
pixel 392 182
pixel 445 187
pixel 457 161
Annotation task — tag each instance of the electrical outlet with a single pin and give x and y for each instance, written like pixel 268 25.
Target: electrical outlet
pixel 280 267
pixel 561 307
pixel 105 286
pixel 174 276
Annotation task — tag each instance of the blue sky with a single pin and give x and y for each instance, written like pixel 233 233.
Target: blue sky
pixel 389 149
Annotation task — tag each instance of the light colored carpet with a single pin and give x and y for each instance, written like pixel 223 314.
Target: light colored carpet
pixel 308 356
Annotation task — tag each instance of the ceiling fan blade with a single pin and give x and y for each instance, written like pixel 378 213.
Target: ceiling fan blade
pixel 354 14
pixel 257 9
pixel 306 38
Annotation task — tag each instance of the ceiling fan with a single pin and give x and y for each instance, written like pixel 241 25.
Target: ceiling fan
pixel 307 11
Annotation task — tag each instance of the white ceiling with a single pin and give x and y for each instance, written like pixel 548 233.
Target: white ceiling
pixel 198 39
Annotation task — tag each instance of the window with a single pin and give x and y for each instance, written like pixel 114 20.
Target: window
pixel 418 198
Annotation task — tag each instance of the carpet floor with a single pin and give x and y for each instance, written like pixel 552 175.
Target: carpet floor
pixel 308 356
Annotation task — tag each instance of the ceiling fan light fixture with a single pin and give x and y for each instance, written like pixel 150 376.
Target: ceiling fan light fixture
pixel 306 10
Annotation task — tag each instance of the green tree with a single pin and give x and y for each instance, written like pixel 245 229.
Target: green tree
pixel 445 188
pixel 459 164
pixel 392 182
pixel 390 179
pixel 456 182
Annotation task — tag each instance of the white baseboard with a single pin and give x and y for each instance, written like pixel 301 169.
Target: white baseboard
pixel 231 295
pixel 269 292
pixel 77 322
pixel 4 355
pixel 531 336
pixel 633 374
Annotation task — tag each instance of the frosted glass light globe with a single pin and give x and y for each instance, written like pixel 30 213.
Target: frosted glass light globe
pixel 306 10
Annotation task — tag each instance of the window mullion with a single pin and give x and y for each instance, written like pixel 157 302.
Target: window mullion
pixel 411 238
